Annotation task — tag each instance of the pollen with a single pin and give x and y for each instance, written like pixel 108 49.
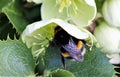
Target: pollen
pixel 63 4
pixel 80 44
pixel 69 5
pixel 65 54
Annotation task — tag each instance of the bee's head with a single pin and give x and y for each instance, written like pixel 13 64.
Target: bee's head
pixel 61 36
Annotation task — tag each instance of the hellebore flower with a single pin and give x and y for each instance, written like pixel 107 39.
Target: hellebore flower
pixel 108 37
pixel 38 34
pixel 111 12
pixel 79 12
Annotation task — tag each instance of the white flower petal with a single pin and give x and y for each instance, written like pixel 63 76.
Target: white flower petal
pixel 108 37
pixel 114 58
pixel 111 12
pixel 69 28
pixel 90 2
pixel 35 1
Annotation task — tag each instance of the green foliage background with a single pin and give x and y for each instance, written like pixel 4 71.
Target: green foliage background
pixel 17 60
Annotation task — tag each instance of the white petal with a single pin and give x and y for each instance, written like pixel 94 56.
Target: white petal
pixel 108 37
pixel 114 58
pixel 35 1
pixel 90 2
pixel 111 12
pixel 69 28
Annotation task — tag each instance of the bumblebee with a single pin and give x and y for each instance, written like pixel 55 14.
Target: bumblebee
pixel 71 47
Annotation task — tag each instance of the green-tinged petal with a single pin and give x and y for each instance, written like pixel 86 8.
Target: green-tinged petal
pixel 35 1
pixel 85 14
pixel 111 12
pixel 108 38
pixel 90 2
pixel 80 12
pixel 38 35
pixel 50 10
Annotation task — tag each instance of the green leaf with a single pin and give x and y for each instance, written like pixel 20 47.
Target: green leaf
pixel 3 3
pixel 40 65
pixel 58 73
pixel 61 73
pixel 15 59
pixel 52 58
pixel 6 28
pixel 14 13
pixel 95 64
pixel 99 4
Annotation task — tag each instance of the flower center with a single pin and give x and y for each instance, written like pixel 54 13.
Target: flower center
pixel 66 4
pixel 63 4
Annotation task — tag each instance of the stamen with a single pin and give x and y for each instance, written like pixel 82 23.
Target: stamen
pixel 74 4
pixel 63 4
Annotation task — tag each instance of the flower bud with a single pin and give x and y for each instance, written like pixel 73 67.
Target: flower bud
pixel 111 12
pixel 114 58
pixel 108 37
